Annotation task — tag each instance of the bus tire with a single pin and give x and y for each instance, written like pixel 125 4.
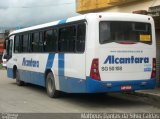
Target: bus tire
pixel 18 81
pixel 50 86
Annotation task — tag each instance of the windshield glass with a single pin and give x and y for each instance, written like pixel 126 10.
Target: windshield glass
pixel 119 31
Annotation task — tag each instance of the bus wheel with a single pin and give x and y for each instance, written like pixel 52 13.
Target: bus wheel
pixel 18 81
pixel 50 86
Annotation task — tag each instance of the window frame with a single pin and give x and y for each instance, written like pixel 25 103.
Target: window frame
pixel 15 43
pixel 22 46
pixel 126 41
pixel 32 38
pixel 53 27
pixel 76 23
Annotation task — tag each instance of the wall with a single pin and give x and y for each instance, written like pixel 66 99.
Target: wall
pixel 129 7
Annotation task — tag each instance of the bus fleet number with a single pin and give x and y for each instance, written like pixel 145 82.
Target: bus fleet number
pixel 111 68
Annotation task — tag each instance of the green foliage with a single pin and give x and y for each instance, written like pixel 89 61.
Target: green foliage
pixel 1 66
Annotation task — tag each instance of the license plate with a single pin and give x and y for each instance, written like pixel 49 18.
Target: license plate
pixel 123 88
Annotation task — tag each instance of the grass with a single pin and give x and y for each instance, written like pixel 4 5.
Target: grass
pixel 1 66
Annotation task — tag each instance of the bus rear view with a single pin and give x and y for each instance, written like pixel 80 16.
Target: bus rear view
pixel 125 54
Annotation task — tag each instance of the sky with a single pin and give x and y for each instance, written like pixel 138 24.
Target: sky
pixel 24 13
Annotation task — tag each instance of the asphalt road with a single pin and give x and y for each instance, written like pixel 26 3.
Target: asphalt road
pixel 31 98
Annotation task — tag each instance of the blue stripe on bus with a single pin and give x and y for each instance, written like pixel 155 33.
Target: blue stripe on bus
pixel 10 72
pixel 61 64
pixel 62 21
pixel 62 80
pixel 50 61
pixel 32 77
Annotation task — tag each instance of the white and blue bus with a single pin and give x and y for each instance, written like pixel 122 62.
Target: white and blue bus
pixel 92 53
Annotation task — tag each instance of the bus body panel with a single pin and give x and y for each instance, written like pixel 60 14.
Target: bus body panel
pixel 64 72
pixel 130 62
pixel 112 75
pixel 72 70
pixel 134 61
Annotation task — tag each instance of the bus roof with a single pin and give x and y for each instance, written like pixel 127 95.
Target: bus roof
pixel 81 17
pixel 45 25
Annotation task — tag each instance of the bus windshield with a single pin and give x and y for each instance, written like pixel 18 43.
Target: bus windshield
pixel 120 31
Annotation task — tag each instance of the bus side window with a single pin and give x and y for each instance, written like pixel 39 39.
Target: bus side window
pixel 25 43
pixel 35 42
pixel 16 44
pixel 67 37
pixel 10 45
pixel 5 56
pixel 41 42
pixel 61 42
pixel 48 41
pixel 29 43
pixel 55 40
pixel 80 42
pixel 72 39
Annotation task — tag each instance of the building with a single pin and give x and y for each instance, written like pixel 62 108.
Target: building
pixel 2 38
pixel 150 7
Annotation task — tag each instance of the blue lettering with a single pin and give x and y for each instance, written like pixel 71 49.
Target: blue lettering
pixel 127 61
pixel 116 60
pixel 30 63
pixel 146 60
pixel 111 59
